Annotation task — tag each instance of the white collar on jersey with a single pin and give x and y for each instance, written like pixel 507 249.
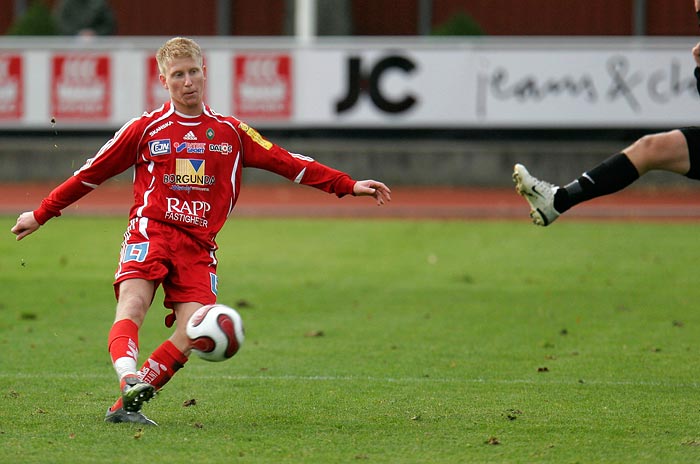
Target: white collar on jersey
pixel 182 115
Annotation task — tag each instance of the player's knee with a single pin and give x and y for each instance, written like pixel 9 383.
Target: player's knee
pixel 132 306
pixel 650 145
pixel 654 151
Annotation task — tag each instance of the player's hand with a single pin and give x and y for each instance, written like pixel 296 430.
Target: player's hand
pixel 373 188
pixel 696 53
pixel 26 224
pixel 697 5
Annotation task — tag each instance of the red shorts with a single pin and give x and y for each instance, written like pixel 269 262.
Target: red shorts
pixel 167 256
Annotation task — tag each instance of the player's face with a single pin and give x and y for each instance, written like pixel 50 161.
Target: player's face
pixel 184 79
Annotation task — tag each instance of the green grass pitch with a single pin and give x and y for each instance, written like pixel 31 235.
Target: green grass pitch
pixel 372 341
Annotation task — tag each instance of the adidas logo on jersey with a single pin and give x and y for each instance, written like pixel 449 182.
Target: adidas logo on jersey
pixel 190 136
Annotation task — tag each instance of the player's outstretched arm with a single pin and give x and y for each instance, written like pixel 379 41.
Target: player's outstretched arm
pixel 373 188
pixel 26 224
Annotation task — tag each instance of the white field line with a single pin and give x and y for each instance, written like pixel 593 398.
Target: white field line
pixel 371 379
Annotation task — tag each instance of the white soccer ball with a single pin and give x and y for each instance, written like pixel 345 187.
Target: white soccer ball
pixel 216 332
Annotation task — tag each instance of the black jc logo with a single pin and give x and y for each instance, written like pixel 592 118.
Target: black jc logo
pixel 359 82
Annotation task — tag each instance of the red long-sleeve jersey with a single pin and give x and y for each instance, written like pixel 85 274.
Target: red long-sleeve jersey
pixel 187 170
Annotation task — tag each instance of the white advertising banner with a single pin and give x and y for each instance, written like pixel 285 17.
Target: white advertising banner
pixel 385 88
pixel 353 83
pixel 586 88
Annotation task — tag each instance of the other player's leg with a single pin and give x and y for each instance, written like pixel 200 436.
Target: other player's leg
pixel 538 193
pixel 668 151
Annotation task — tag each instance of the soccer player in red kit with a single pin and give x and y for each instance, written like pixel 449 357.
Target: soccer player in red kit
pixel 188 163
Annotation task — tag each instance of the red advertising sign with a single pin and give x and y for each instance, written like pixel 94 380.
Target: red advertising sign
pixel 81 86
pixel 11 89
pixel 262 86
pixel 156 94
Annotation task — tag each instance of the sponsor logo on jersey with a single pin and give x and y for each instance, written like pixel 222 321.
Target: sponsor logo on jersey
pixel 159 147
pixel 183 188
pixel 190 136
pixel 253 134
pixel 191 147
pixel 189 172
pixel 160 128
pixel 188 211
pixel 223 148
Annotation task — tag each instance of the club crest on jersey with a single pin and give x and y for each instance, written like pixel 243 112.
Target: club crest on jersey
pixel 159 147
pixel 189 172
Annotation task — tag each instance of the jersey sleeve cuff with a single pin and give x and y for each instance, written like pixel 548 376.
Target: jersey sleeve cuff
pixel 346 186
pixel 42 215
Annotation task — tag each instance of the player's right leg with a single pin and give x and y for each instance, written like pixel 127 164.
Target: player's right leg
pixel 134 299
pixel 119 415
pixel 665 151
pixel 673 151
pixel 538 193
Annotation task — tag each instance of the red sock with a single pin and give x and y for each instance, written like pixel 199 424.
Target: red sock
pixel 160 367
pixel 124 346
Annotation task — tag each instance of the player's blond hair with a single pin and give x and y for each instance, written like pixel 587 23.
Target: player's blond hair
pixel 177 47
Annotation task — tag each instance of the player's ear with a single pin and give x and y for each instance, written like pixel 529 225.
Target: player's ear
pixel 162 80
pixel 204 71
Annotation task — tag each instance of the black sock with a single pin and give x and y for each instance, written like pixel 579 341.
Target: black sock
pixel 610 176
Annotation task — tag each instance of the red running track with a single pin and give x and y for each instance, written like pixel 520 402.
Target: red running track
pixel 407 202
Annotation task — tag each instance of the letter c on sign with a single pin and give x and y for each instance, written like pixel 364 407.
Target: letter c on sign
pixel 358 83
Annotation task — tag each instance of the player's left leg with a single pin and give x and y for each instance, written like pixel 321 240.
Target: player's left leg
pixel 155 372
pixel 191 285
pixel 183 312
pixel 173 353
